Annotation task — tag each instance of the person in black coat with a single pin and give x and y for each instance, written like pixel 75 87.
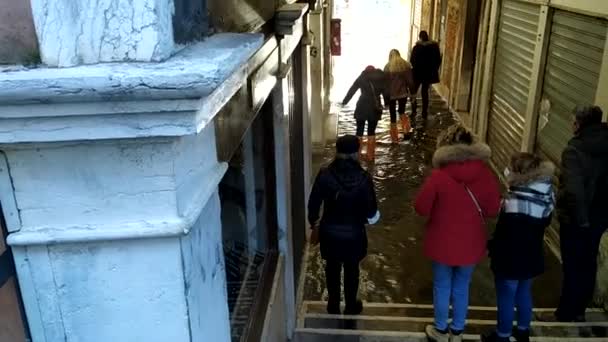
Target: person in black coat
pixel 372 83
pixel 346 192
pixel 426 61
pixel 581 207
pixel 517 247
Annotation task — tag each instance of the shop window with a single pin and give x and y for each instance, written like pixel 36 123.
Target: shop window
pixel 247 195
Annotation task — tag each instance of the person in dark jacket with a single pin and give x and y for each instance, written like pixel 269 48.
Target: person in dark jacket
pixel 401 85
pixel 372 83
pixel 426 60
pixel 581 208
pixel 346 192
pixel 516 249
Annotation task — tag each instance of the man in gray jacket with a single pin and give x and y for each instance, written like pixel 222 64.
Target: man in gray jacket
pixel 581 204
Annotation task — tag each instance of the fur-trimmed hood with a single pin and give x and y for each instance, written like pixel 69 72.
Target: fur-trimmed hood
pixel 545 171
pixel 459 153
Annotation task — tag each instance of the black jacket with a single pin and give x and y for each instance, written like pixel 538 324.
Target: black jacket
pixel 583 188
pixel 347 194
pixel 517 246
pixel 426 60
pixel 373 84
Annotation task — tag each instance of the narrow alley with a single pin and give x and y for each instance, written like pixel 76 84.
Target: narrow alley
pixel 396 271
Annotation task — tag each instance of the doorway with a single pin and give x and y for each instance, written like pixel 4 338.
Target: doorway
pixel 370 29
pixel 462 100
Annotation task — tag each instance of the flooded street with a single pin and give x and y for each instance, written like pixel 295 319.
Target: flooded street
pixel 396 270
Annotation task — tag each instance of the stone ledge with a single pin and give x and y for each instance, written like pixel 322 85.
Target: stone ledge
pixel 176 226
pixel 193 73
pixel 176 97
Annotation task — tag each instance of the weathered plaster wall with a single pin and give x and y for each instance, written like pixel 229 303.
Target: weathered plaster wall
pixel 92 292
pixel 92 31
pixel 18 44
pixel 88 289
pixel 425 24
pixel 455 19
pixel 205 277
pixel 84 182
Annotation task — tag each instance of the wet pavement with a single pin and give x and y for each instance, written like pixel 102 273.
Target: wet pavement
pixel 396 271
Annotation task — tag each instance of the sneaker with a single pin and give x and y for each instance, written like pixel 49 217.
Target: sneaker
pixel 354 309
pixel 521 335
pixel 435 335
pixel 455 338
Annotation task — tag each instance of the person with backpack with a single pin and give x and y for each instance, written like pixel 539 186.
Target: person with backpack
pixel 581 207
pixel 457 197
pixel 517 246
pixel 346 193
pixel 372 83
pixel 401 85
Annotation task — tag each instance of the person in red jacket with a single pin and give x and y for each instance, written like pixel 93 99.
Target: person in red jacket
pixel 456 198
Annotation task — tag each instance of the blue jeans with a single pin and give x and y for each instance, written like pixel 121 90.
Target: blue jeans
pixel 451 285
pixel 511 294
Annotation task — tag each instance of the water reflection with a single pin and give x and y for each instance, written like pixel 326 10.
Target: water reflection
pixel 395 269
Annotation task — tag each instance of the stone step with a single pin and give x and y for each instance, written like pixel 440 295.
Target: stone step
pixel 341 335
pixel 474 327
pixel 426 310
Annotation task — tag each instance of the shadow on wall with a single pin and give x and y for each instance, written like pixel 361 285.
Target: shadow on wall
pixel 18 43
pixel 602 281
pixel 241 16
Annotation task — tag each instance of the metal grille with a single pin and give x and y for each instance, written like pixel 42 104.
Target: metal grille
pixel 512 74
pixel 574 59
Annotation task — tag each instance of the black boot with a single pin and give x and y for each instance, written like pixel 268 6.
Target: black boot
pixel 521 335
pixel 351 289
pixel 333 270
pixel 354 308
pixel 333 307
pixel 493 337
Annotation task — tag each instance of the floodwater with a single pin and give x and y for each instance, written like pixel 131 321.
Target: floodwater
pixel 396 271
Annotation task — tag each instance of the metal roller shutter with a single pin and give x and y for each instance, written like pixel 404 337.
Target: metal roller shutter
pixel 515 44
pixel 574 58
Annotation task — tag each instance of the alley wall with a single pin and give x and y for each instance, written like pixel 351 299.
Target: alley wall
pixel 18 44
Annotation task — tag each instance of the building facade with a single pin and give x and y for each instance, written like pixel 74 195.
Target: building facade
pixel 515 69
pixel 154 171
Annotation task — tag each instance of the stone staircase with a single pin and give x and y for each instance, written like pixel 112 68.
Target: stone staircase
pixel 383 322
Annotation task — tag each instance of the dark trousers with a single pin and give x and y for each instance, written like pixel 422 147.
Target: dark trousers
pixel 392 107
pixel 333 272
pixel 579 248
pixel 371 127
pixel 424 90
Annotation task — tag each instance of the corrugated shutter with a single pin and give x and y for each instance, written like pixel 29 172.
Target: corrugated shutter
pixel 512 73
pixel 574 59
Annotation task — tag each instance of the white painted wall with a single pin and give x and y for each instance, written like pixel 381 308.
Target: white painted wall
pixel 317 116
pixel 92 31
pixel 81 284
pixel 104 291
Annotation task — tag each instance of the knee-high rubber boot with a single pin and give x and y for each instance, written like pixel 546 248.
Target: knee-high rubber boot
pixel 371 148
pixel 405 124
pixel 394 133
pixel 361 146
